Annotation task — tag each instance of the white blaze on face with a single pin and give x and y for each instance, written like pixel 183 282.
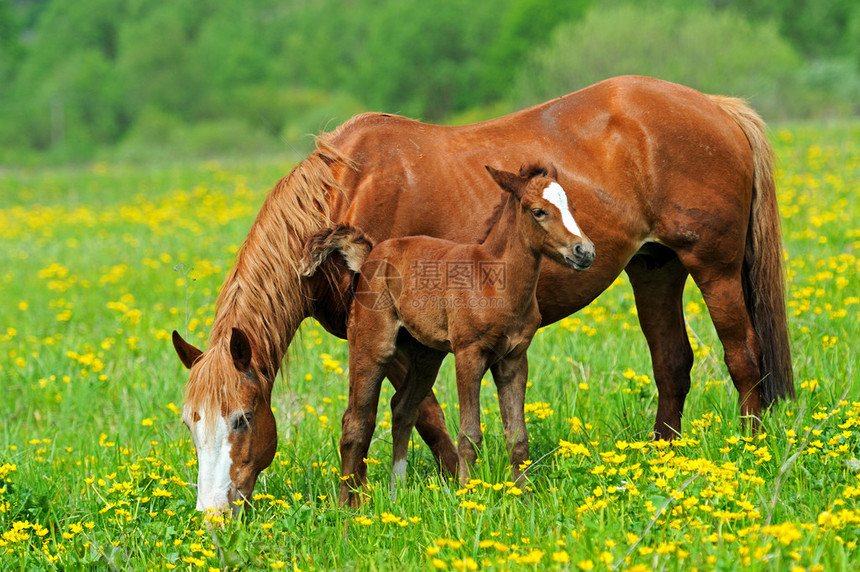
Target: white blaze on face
pixel 556 195
pixel 213 462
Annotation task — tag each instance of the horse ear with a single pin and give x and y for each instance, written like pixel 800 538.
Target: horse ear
pixel 187 353
pixel 533 170
pixel 509 182
pixel 240 350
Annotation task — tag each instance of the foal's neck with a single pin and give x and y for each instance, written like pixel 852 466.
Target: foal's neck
pixel 506 236
pixel 507 242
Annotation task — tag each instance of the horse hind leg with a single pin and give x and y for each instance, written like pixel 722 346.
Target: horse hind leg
pixel 424 365
pixel 430 422
pixel 658 279
pixel 722 290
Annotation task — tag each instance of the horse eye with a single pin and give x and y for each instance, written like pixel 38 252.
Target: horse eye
pixel 241 422
pixel 539 213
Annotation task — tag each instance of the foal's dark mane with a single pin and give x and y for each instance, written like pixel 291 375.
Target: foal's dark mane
pixel 495 216
pixel 527 171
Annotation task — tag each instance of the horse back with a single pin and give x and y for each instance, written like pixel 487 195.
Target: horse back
pixel 631 152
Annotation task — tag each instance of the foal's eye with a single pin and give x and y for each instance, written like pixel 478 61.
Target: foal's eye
pixel 539 213
pixel 241 422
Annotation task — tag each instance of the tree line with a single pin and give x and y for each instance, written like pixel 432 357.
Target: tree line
pixel 207 76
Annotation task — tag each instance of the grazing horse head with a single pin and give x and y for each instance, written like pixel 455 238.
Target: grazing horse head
pixel 231 422
pixel 548 222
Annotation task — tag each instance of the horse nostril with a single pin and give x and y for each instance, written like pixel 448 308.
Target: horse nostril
pixel 583 255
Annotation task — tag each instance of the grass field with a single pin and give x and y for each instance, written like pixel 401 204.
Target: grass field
pixel 99 263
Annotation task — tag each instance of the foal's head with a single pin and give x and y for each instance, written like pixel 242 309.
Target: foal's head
pixel 228 412
pixel 547 215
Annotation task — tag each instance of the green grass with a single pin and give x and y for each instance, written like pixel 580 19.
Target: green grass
pixel 99 263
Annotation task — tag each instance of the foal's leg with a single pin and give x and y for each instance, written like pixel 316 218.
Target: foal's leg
pixel 658 280
pixel 511 375
pixel 471 364
pixel 424 365
pixel 723 293
pixel 430 422
pixel 372 342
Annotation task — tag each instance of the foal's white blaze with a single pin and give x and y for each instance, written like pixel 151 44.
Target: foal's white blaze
pixel 556 195
pixel 213 462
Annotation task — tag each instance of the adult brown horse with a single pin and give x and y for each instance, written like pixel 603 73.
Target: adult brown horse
pixel 668 183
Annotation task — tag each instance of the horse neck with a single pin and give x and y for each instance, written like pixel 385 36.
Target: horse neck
pixel 264 294
pixel 268 308
pixel 507 242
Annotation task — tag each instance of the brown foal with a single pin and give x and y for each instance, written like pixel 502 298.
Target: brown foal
pixel 427 297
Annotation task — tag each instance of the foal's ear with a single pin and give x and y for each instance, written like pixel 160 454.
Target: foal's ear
pixel 187 353
pixel 510 182
pixel 240 350
pixel 538 170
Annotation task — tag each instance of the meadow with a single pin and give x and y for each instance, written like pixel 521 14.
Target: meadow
pixel 99 263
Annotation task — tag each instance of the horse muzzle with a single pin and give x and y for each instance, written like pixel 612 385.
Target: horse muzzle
pixel 238 500
pixel 220 505
pixel 580 256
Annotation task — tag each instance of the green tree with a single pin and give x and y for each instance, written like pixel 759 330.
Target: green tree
pixel 716 52
pixel 817 28
pixel 65 90
pixel 80 75
pixel 525 26
pixel 423 58
pixel 11 51
pixel 155 56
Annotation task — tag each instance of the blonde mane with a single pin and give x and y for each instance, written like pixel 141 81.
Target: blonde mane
pixel 264 294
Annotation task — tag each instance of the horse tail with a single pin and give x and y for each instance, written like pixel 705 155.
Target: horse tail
pixel 350 242
pixel 762 274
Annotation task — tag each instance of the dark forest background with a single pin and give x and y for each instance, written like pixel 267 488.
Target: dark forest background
pixel 143 78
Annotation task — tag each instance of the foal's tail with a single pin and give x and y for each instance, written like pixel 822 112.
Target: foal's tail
pixel 762 275
pixel 352 244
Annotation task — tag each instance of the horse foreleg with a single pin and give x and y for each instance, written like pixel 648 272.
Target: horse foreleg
pixel 471 366
pixel 430 421
pixel 372 343
pixel 658 286
pixel 424 365
pixel 511 375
